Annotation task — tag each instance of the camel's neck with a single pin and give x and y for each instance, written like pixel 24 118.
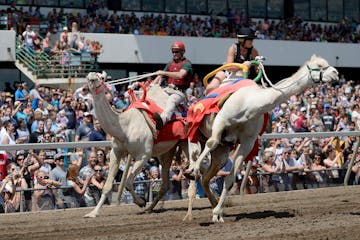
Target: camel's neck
pixel 110 120
pixel 287 87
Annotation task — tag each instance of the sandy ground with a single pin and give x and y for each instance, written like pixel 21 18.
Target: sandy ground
pixel 325 213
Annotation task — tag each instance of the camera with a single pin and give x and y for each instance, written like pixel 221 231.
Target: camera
pixel 46 177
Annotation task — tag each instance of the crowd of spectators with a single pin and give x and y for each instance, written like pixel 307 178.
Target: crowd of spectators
pixel 70 52
pixel 98 19
pixel 45 115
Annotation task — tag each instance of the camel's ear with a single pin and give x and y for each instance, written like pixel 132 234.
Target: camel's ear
pixel 313 57
pixel 103 75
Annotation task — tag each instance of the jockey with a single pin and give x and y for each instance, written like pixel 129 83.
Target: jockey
pixel 241 51
pixel 179 75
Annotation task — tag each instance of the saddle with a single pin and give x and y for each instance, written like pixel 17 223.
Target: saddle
pixel 174 129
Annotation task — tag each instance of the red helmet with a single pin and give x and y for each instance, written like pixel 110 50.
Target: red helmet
pixel 178 45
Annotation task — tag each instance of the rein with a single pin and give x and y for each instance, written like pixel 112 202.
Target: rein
pixel 97 88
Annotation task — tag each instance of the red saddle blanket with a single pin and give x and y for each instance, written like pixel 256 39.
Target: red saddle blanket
pixel 173 129
pixel 210 104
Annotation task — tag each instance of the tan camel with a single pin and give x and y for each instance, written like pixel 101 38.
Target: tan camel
pixel 241 119
pixel 131 135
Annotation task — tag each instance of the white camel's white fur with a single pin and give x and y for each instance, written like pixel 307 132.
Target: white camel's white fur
pixel 131 135
pixel 241 119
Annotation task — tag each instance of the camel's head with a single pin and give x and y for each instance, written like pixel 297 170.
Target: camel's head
pixel 321 71
pixel 96 81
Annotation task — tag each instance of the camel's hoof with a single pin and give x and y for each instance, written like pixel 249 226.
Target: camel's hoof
pixel 217 219
pixel 148 210
pixel 90 215
pixel 188 218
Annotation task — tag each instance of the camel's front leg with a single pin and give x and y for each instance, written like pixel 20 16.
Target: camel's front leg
pixel 218 160
pixel 212 143
pixel 123 179
pixel 115 156
pixel 194 151
pixel 130 181
pixel 244 150
pixel 165 161
pixel 191 196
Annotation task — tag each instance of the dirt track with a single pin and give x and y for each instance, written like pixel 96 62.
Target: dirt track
pixel 326 213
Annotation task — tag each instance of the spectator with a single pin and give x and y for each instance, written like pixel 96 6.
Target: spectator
pixel 37 135
pixel 71 116
pixel 318 175
pixel 269 166
pixel 122 103
pixel 44 199
pixel 74 194
pixel 84 130
pixel 19 95
pixel 331 161
pixel 155 181
pixel 8 138
pixel 26 171
pixel 28 36
pixel 97 134
pixel 35 95
pixel 11 183
pixel 290 167
pixel 328 118
pixel 20 114
pixel 86 171
pixel 176 175
pixel 64 37
pixel 96 186
pixel 46 43
pixel 58 174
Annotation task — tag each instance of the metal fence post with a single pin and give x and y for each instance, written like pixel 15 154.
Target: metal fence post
pixel 347 176
pixel 243 183
pixel 22 200
pixel 151 191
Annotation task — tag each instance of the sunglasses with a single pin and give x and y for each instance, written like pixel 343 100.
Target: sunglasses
pixel 97 170
pixel 287 153
pixel 20 159
pixel 100 154
pixel 175 51
pixel 43 177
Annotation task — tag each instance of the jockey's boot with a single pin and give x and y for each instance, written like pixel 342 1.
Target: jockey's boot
pixel 158 121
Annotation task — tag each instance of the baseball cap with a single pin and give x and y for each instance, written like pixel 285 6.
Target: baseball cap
pixel 58 156
pixel 303 109
pixel 87 114
pixel 327 105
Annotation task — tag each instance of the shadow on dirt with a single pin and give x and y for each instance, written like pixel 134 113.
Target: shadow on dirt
pixel 355 213
pixel 181 209
pixel 264 214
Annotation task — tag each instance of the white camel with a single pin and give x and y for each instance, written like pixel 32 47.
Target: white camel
pixel 131 135
pixel 241 119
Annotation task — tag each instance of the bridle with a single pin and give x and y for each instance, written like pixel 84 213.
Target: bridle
pixel 317 69
pixel 99 88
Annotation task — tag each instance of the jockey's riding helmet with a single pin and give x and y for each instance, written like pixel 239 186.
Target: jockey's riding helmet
pixel 243 37
pixel 178 45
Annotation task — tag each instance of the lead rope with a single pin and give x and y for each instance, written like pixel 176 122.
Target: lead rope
pixel 130 79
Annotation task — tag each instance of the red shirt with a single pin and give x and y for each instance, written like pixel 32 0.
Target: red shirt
pixel 3 163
